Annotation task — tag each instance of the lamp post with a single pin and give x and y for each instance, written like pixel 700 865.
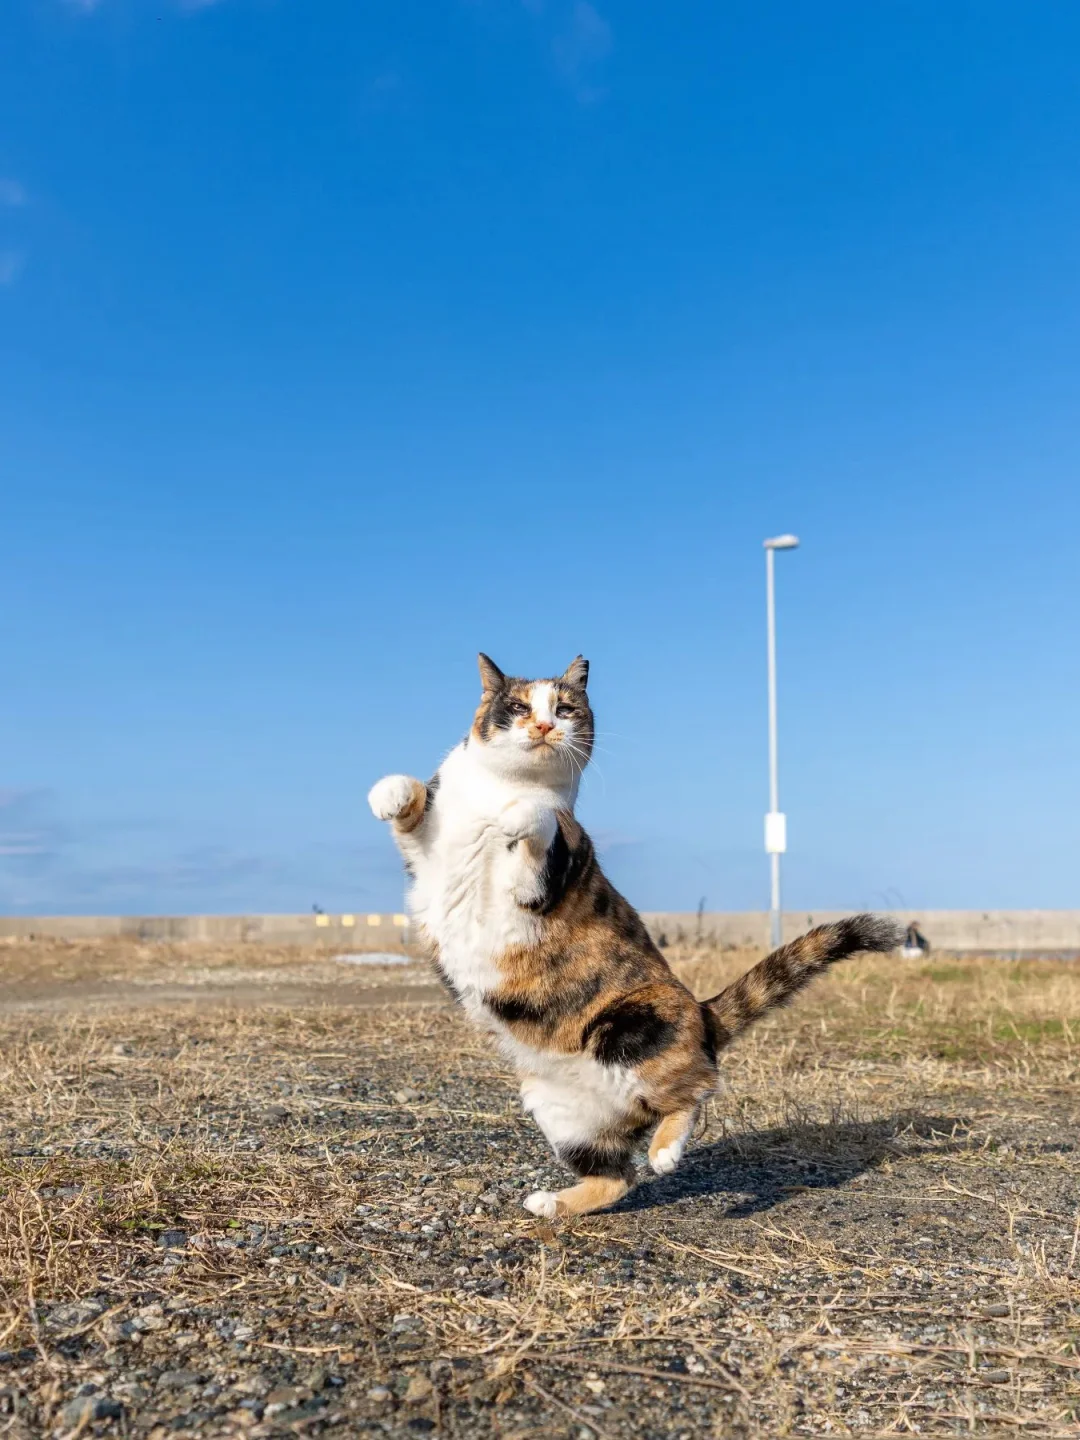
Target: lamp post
pixel 775 820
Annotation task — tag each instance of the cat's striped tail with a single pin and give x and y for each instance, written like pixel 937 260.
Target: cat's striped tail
pixel 782 974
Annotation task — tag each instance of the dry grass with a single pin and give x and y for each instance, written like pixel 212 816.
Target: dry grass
pixel 876 1234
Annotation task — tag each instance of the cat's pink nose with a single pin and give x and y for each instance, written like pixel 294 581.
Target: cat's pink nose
pixel 544 726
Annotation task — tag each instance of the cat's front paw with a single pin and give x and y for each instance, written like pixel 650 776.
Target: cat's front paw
pixel 527 820
pixel 393 795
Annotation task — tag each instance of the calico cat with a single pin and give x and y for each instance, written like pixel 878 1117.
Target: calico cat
pixel 538 946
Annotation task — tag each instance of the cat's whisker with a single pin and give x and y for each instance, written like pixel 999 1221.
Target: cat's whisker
pixel 585 757
pixel 578 757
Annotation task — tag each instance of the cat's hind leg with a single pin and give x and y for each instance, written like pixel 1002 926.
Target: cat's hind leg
pixel 670 1140
pixel 592 1134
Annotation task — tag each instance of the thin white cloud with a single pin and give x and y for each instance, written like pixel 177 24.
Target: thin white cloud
pixel 581 46
pixel 12 193
pixel 11 264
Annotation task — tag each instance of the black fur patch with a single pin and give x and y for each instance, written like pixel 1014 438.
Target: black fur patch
pixel 512 1010
pixel 628 1033
pixel 717 1034
pixel 601 902
pixel 708 1040
pixel 564 869
pixel 589 1160
pixel 497 714
pixel 432 786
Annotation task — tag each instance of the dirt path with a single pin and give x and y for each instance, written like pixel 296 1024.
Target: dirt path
pixel 266 1199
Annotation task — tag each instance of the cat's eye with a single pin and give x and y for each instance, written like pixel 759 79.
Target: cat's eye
pixel 516 707
pixel 564 711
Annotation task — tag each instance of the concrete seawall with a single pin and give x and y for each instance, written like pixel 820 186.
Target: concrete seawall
pixel 1025 932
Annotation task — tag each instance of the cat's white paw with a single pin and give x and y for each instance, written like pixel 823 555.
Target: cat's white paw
pixel 391 795
pixel 542 1203
pixel 665 1160
pixel 526 820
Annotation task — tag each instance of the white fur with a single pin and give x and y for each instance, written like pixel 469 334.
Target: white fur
pixel 665 1160
pixel 542 698
pixel 542 1203
pixel 389 796
pixel 571 1097
pixel 529 819
pixel 469 877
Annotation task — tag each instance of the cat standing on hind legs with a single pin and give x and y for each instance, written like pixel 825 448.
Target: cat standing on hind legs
pixel 539 948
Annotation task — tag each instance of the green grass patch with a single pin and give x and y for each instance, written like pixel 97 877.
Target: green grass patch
pixel 945 974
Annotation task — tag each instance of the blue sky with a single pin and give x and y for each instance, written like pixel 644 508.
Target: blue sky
pixel 338 342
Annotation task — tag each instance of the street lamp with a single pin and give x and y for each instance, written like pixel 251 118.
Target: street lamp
pixel 775 821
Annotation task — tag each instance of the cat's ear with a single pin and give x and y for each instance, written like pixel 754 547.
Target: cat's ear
pixel 577 673
pixel 491 677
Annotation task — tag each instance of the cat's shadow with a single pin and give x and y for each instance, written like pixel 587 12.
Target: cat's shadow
pixel 761 1168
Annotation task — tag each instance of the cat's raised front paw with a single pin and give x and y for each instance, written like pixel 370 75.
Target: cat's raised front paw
pixel 393 795
pixel 526 820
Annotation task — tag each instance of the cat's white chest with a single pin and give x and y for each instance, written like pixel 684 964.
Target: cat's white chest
pixel 464 878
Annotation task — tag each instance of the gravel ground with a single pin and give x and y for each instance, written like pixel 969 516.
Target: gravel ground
pixel 286 1207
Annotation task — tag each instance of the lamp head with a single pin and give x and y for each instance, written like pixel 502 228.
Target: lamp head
pixel 782 542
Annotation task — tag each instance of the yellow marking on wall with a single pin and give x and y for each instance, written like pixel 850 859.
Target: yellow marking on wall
pixel 374 919
pixel 348 919
pixel 401 920
pixel 322 919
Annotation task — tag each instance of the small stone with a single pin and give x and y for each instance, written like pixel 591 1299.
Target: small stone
pixel 378 1393
pixel 420 1388
pixel 995 1377
pixel 179 1379
pixel 282 1397
pixel 996 1311
pixel 302 1412
pixel 173 1239
pixel 86 1408
pixel 407 1096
